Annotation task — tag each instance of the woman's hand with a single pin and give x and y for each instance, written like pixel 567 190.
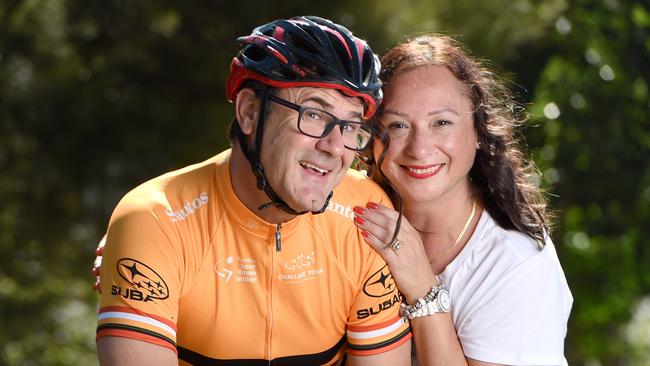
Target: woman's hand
pixel 409 264
pixel 98 263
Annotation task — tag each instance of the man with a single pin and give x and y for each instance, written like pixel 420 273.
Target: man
pixel 238 260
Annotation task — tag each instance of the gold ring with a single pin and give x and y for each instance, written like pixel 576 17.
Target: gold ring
pixel 395 244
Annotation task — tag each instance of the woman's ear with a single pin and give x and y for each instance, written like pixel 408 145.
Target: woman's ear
pixel 247 108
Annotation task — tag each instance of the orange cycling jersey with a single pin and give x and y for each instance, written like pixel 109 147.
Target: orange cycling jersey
pixel 189 267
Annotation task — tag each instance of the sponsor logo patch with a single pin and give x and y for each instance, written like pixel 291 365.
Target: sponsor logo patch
pixel 378 308
pixel 189 208
pixel 338 208
pixel 301 262
pixel 147 285
pixel 243 269
pixel 380 283
pixel 301 268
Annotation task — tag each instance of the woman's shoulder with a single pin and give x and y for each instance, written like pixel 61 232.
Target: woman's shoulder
pixel 492 244
pixel 507 260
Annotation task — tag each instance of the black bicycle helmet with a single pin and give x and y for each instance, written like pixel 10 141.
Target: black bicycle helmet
pixel 307 51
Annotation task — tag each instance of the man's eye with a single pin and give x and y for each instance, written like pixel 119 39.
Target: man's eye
pixel 313 114
pixel 350 127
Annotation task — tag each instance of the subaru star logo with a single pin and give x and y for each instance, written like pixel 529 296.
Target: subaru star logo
pixel 143 278
pixel 380 284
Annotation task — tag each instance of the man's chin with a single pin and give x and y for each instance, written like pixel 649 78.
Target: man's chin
pixel 317 206
pixel 313 204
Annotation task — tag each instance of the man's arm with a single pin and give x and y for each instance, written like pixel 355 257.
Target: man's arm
pixel 400 356
pixel 125 351
pixel 139 265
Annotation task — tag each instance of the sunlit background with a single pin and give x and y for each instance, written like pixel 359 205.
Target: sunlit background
pixel 98 96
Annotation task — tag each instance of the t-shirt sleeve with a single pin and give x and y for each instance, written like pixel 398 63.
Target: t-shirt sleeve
pixel 140 279
pixel 374 324
pixel 524 321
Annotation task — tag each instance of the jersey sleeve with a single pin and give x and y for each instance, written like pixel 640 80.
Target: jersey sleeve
pixel 524 321
pixel 140 278
pixel 374 325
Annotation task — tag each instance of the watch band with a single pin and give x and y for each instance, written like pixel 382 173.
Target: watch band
pixel 437 300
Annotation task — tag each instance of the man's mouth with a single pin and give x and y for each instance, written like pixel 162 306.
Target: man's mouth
pixel 315 169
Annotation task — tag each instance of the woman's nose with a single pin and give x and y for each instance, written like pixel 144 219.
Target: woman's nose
pixel 420 143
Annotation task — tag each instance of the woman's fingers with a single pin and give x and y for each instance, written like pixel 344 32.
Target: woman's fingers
pixel 377 214
pixel 377 223
pixel 99 252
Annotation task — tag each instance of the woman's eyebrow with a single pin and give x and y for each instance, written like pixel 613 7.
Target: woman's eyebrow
pixel 434 112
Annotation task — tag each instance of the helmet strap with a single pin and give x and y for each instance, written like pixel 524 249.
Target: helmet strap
pixel 253 157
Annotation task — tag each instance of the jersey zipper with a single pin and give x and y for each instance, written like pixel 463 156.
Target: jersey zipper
pixel 278 243
pixel 278 247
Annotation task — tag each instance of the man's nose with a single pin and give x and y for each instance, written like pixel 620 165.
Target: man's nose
pixel 333 142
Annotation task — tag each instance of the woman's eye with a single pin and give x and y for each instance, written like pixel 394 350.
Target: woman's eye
pixel 396 125
pixel 443 122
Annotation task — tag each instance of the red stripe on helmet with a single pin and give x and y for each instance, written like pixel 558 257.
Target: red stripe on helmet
pixel 239 74
pixel 361 45
pixel 258 40
pixel 328 30
pixel 277 54
pixel 338 35
pixel 279 34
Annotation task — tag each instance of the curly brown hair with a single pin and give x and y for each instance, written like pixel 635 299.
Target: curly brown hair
pixel 501 174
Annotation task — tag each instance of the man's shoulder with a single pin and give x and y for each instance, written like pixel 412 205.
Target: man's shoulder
pixel 198 174
pixel 354 175
pixel 357 185
pixel 190 185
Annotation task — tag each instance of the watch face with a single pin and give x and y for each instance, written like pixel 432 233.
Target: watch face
pixel 444 300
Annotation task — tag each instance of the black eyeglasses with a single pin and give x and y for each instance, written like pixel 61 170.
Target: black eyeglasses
pixel 318 123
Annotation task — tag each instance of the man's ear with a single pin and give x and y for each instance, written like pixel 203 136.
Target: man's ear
pixel 247 109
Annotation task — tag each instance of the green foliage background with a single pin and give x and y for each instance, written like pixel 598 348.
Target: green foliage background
pixel 98 96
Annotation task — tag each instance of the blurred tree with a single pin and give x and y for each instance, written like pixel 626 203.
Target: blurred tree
pixel 592 103
pixel 96 97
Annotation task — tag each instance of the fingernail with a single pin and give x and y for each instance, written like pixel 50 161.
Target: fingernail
pixel 358 210
pixel 372 205
pixel 365 234
pixel 359 220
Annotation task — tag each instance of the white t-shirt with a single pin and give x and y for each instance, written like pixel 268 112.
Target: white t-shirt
pixel 510 301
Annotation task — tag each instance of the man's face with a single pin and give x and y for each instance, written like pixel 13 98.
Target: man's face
pixel 303 170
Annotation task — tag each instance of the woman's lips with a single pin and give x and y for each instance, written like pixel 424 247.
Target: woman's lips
pixel 422 171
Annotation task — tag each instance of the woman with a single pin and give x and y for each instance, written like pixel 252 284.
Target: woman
pixel 474 249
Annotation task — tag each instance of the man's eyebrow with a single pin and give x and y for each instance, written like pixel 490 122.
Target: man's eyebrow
pixel 434 112
pixel 323 104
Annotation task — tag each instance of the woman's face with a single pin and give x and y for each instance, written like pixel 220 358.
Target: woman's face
pixel 428 115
